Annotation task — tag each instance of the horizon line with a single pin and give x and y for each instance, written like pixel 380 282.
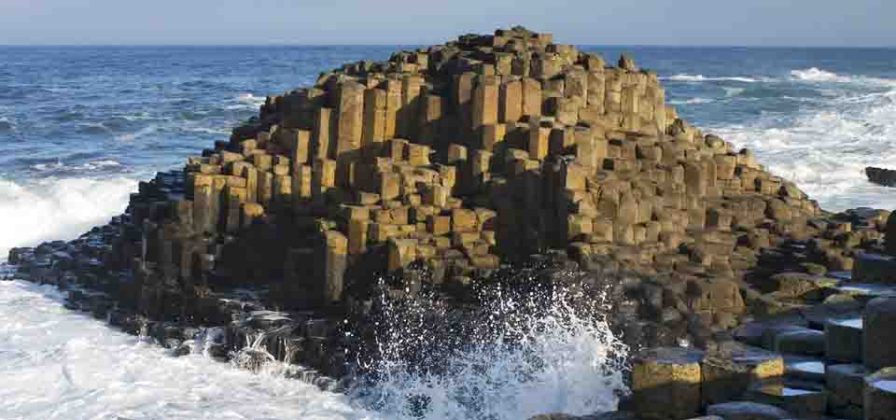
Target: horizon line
pixel 289 44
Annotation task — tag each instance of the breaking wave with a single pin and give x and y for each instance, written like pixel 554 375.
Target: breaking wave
pixel 817 75
pixel 825 147
pixel 683 77
pixel 814 74
pixel 57 208
pixel 248 100
pixel 519 355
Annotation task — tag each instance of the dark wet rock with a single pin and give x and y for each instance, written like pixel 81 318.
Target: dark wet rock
pixel 798 401
pixel 846 383
pixel 747 410
pixel 874 268
pixel 890 234
pixel 843 340
pixel 801 341
pixel 881 176
pixel 879 338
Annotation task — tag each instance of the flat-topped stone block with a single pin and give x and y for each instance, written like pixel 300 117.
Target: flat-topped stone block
pixel 798 401
pixel 747 410
pixel 802 341
pixel 874 268
pixel 804 368
pixel 880 395
pixel 730 371
pixel 666 382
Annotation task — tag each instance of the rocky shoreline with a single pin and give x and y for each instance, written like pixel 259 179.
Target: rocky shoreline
pixel 485 160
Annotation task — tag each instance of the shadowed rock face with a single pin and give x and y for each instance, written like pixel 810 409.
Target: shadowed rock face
pixel 503 158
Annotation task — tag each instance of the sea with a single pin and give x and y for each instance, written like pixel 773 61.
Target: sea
pixel 81 125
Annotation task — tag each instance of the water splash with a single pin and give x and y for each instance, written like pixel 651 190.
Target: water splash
pixel 518 354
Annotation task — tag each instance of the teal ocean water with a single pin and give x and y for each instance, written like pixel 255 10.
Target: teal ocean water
pixel 80 126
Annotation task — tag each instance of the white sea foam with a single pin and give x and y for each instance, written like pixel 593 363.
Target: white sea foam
pixel 524 359
pixel 731 92
pixel 683 77
pixel 57 208
pixel 58 364
pixel 827 145
pixel 817 75
pixel 814 74
pixel 249 100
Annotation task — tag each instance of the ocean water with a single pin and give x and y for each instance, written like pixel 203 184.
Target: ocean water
pixel 79 126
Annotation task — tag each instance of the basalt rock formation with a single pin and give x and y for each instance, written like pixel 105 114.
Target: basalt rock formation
pixel 442 166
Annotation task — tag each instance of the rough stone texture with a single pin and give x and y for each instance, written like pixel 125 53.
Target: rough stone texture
pixel 729 371
pixel 874 268
pixel 846 383
pixel 666 383
pixel 879 340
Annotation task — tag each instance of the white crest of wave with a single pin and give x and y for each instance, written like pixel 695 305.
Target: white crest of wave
pixel 523 360
pixel 61 208
pixel 59 364
pixel 815 74
pixel 683 77
pixel 250 99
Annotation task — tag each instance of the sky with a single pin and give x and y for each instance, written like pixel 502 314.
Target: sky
pixel 418 22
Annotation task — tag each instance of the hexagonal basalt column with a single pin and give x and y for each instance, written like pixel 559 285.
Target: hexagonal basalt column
pixel 666 383
pixel 879 341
